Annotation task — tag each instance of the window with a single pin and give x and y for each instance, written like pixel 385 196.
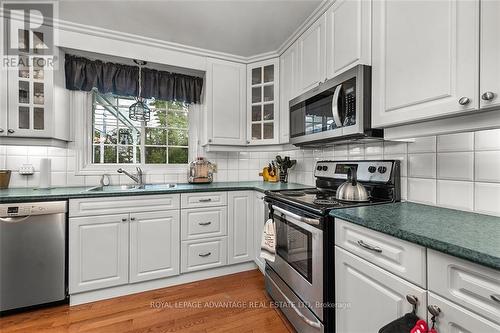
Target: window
pixel 117 139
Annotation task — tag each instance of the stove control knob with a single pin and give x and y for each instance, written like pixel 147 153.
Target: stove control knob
pixel 325 168
pixel 372 169
pixel 382 169
pixel 319 168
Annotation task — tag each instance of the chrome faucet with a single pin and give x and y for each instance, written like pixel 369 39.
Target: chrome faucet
pixel 137 178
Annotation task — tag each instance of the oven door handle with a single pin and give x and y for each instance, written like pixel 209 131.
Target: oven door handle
pixel 335 106
pixel 297 217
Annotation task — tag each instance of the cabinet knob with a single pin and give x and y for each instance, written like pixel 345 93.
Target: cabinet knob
pixel 132 219
pixel 434 310
pixel 209 140
pixel 248 142
pixel 10 130
pixel 124 219
pixel 464 100
pixel 488 96
pixel 1 130
pixel 496 298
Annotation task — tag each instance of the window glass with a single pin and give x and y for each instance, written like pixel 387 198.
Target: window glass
pixel 117 139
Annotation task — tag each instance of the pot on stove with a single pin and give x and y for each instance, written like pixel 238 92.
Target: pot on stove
pixel 352 190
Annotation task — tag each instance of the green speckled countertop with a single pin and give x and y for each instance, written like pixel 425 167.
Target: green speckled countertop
pixel 58 193
pixel 470 236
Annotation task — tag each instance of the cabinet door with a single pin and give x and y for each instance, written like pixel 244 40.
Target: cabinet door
pixel 288 88
pixel 226 101
pixel 348 35
pixel 240 227
pixel 154 245
pixel 259 219
pixel 425 60
pixel 372 296
pixel 30 98
pixel 98 252
pixel 312 56
pixel 263 102
pixel 453 318
pixel 490 54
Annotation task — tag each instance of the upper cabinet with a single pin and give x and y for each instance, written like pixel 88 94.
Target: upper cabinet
pixel 226 102
pixel 425 60
pixel 490 54
pixel 312 56
pixel 263 102
pixel 288 88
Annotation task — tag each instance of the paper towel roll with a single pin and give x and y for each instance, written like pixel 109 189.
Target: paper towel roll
pixel 45 179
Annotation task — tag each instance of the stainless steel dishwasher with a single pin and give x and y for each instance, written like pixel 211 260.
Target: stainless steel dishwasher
pixel 32 254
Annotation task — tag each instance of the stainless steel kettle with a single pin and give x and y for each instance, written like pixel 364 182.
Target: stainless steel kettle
pixel 352 190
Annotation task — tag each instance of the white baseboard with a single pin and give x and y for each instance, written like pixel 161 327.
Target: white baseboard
pixel 97 295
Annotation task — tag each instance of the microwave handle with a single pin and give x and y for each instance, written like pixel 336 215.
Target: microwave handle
pixel 335 106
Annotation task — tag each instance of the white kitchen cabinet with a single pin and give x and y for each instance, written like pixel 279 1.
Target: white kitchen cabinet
pixel 289 73
pixel 259 219
pixel 200 254
pixel 263 102
pixel 348 35
pixel 454 318
pixel 226 102
pixel 312 55
pixel 240 227
pixel 154 245
pixel 490 54
pixel 374 296
pixel 98 252
pixel 425 60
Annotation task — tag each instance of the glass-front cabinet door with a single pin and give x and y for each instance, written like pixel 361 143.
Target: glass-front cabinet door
pixel 263 98
pixel 30 87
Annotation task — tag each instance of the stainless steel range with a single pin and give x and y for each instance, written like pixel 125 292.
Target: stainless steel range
pixel 301 279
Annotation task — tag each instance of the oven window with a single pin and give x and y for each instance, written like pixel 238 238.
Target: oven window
pixel 294 245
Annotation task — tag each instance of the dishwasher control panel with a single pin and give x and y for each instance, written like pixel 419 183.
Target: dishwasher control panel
pixel 36 208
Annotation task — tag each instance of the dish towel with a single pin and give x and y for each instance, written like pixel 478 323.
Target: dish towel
pixel 404 324
pixel 268 244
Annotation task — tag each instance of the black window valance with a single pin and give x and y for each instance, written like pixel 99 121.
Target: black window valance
pixel 85 74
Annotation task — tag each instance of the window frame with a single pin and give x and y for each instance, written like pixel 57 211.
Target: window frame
pixel 81 103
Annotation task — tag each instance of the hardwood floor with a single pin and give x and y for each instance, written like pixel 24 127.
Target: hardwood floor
pixel 232 303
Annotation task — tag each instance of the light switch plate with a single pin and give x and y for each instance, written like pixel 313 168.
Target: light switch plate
pixel 26 169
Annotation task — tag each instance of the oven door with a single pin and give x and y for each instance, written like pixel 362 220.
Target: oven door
pixel 299 256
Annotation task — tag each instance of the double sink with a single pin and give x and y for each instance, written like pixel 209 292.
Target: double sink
pixel 119 188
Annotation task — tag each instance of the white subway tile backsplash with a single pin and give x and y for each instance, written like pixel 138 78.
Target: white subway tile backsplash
pixel 37 151
pixel 13 162
pixel 455 166
pixel 422 145
pixel 16 150
pixel 403 163
pixel 422 165
pixel 422 190
pixel 392 148
pixel 340 151
pixel 376 148
pixel 356 150
pixel 487 166
pixel 487 140
pixel 455 142
pixel 404 188
pixel 487 198
pixel 455 194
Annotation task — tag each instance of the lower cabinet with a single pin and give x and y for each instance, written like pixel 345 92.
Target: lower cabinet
pixel 454 318
pixel 100 248
pixel 154 245
pixel 203 254
pixel 240 227
pixel 259 219
pixel 372 296
pixel 98 252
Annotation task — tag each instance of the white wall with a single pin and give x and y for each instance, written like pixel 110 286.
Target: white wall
pixel 460 171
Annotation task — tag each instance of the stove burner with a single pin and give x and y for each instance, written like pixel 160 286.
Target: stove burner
pixel 313 191
pixel 293 193
pixel 326 202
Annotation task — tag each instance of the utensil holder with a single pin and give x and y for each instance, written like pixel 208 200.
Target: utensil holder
pixel 284 177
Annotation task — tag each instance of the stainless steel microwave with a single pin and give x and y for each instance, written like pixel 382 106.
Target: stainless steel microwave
pixel 335 111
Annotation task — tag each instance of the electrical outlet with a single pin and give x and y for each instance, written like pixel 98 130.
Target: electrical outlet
pixel 26 169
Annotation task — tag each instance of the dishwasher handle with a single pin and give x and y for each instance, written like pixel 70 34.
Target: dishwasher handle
pixel 15 219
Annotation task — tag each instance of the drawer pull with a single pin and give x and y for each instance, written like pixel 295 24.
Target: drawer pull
pixel 434 310
pixel 205 223
pixel 496 298
pixel 413 300
pixel 370 247
pixel 205 254
pixel 205 200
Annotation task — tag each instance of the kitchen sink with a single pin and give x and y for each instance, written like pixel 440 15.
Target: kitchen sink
pixel 119 188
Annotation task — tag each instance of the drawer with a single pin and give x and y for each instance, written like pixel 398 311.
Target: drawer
pixel 399 257
pixel 203 222
pixel 203 199
pixel 473 286
pixel 123 204
pixel 203 254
